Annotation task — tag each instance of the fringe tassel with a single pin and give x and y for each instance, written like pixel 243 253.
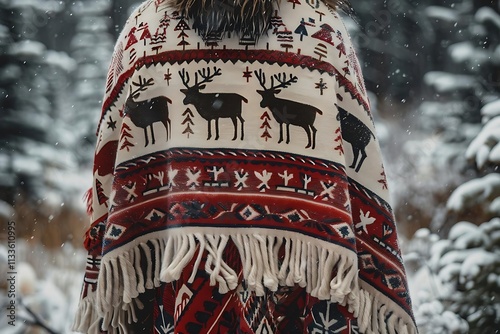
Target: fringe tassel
pixel 326 271
pixel 86 320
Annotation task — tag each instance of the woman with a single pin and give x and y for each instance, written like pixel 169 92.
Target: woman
pixel 238 183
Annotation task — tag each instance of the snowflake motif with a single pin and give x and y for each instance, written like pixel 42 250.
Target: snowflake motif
pixel 172 173
pixel 241 179
pixel 193 178
pixel 365 221
pixel 265 177
pixel 328 189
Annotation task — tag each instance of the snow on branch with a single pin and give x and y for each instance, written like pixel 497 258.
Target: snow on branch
pixel 476 191
pixel 442 13
pixel 444 82
pixel 490 110
pixel 487 14
pixel 485 148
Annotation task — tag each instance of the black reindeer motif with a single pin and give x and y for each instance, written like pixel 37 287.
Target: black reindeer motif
pixel 357 134
pixel 286 111
pixel 145 113
pixel 213 106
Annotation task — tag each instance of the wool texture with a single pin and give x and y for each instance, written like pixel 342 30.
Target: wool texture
pixel 238 183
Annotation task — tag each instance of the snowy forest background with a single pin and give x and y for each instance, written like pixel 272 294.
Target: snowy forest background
pixel 433 70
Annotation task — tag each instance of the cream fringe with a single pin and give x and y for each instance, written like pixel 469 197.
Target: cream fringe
pixel 327 271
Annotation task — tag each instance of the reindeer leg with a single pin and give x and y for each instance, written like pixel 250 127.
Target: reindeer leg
pixel 152 133
pixel 288 133
pixel 209 129
pixel 146 136
pixel 216 128
pixel 308 131
pixel 363 157
pixel 355 151
pixel 242 126
pixel 281 133
pixel 313 137
pixel 235 125
pixel 166 124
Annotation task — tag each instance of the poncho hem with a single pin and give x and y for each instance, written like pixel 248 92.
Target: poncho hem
pixel 327 271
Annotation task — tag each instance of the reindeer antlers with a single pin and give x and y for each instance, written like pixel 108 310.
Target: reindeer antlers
pixel 261 76
pixel 184 77
pixel 142 85
pixel 281 78
pixel 204 74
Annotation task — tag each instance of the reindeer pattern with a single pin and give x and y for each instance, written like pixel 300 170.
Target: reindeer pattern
pixel 263 116
pixel 175 99
pixel 213 106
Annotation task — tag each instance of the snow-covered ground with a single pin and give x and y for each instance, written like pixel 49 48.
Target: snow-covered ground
pixel 48 285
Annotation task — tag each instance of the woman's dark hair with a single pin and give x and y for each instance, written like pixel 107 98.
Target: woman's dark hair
pixel 243 17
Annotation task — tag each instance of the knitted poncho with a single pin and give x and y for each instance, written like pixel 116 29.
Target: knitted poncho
pixel 211 136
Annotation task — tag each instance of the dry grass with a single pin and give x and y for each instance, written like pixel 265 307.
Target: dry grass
pixel 50 227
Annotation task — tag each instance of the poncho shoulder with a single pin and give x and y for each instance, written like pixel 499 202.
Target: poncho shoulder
pixel 264 142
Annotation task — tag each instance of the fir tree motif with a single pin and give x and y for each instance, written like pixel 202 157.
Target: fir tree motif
pixel 188 122
pixel 276 22
pixel 132 39
pixel 182 26
pixel 302 29
pixel 146 34
pixel 124 138
pixel 286 37
pixel 100 193
pixel 338 141
pixel 116 67
pixel 321 50
pixel 324 34
pixel 164 22
pixel 212 39
pixel 247 74
pixel 265 126
pixel 248 40
pixel 341 45
pixel 321 85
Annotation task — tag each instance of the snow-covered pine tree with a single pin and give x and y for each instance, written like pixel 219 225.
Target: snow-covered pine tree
pixel 465 115
pixel 457 287
pixel 393 38
pixel 34 81
pixel 463 112
pixel 94 27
